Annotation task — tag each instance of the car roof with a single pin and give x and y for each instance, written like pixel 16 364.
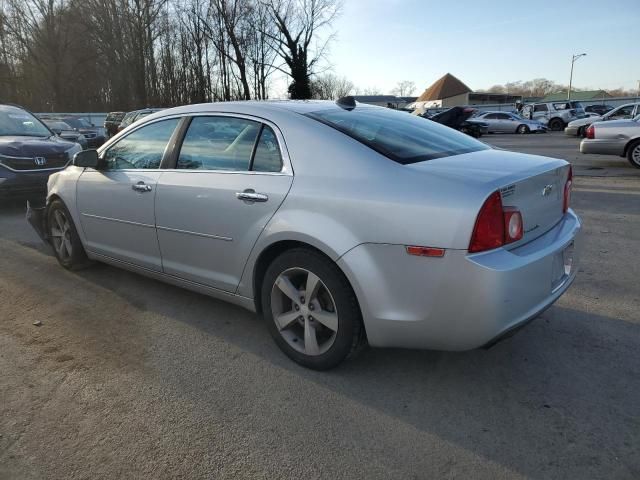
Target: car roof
pixel 258 107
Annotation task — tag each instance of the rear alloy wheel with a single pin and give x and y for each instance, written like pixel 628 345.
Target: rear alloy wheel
pixel 66 243
pixel 311 310
pixel 522 129
pixel 633 154
pixel 556 125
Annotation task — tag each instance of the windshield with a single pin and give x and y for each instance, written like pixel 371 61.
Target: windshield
pixel 403 138
pixel 57 125
pixel 14 121
pixel 77 122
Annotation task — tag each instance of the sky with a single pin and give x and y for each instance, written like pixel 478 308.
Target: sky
pixel 381 42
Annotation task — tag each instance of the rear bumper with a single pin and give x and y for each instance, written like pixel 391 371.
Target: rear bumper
pixel 603 147
pixel 459 301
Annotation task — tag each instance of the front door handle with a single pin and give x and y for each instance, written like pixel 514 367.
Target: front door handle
pixel 141 187
pixel 250 195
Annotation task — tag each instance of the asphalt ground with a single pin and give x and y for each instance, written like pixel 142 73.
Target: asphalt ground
pixel 127 377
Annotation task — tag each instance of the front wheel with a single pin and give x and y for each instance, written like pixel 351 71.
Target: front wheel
pixel 633 154
pixel 66 243
pixel 522 129
pixel 311 310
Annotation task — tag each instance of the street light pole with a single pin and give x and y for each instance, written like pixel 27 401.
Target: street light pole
pixel 573 60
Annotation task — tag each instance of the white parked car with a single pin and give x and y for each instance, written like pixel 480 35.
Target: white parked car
pixel 579 127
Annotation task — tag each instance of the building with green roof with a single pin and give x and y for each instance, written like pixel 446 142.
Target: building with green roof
pixel 584 96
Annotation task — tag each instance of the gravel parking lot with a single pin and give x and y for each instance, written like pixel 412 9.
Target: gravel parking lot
pixel 129 378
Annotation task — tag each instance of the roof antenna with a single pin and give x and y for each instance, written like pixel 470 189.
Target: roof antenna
pixel 347 103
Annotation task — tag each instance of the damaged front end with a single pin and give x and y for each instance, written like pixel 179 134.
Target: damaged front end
pixel 37 217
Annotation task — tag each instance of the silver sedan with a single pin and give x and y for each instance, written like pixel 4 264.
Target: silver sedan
pixel 506 122
pixel 339 223
pixel 614 137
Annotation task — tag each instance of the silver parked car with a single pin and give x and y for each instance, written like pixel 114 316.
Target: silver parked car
pixel 579 127
pixel 615 137
pixel 338 222
pixel 507 122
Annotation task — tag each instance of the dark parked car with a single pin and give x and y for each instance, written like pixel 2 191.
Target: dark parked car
pixel 599 109
pixel 29 153
pixel 66 131
pixel 112 122
pixel 95 136
pixel 136 115
pixel 460 119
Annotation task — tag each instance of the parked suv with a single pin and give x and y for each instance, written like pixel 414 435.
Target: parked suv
pixel 579 127
pixel 112 122
pixel 29 153
pixel 134 116
pixel 556 115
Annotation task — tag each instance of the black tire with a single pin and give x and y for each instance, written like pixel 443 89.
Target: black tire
pixel 633 154
pixel 350 332
pixel 522 129
pixel 77 258
pixel 556 125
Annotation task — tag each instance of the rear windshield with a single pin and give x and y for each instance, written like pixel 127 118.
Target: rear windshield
pixel 400 136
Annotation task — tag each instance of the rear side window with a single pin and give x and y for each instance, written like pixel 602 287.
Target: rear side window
pixel 399 136
pixel 218 143
pixel 540 108
pixel 267 157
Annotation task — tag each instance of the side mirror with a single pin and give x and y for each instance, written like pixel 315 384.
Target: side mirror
pixel 86 159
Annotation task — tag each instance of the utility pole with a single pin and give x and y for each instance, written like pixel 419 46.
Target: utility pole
pixel 573 60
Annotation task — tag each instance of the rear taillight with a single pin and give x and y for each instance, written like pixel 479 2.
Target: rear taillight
pixel 567 190
pixel 512 225
pixel 495 226
pixel 591 132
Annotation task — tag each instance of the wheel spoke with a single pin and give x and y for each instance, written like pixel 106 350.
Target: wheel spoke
pixel 59 219
pixel 55 232
pixel 328 319
pixel 285 319
pixel 60 248
pixel 285 285
pixel 67 245
pixel 311 289
pixel 310 339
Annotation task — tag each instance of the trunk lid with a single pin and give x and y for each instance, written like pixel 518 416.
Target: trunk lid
pixel 532 184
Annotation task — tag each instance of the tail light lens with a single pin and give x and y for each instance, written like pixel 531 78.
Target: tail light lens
pixel 495 226
pixel 513 230
pixel 567 190
pixel 591 132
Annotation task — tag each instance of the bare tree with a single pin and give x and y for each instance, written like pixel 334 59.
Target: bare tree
pixel 298 23
pixel 329 87
pixel 404 88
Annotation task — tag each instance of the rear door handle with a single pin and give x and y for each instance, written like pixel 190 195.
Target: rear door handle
pixel 141 187
pixel 250 195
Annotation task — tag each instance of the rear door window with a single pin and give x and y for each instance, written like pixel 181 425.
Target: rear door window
pixel 218 143
pixel 401 137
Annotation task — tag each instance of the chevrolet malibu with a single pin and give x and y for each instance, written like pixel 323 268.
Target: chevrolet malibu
pixel 339 223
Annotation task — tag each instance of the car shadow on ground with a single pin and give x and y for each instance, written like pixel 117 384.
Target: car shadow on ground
pixel 564 383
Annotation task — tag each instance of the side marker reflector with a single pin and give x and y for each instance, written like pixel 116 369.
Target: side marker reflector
pixel 425 251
